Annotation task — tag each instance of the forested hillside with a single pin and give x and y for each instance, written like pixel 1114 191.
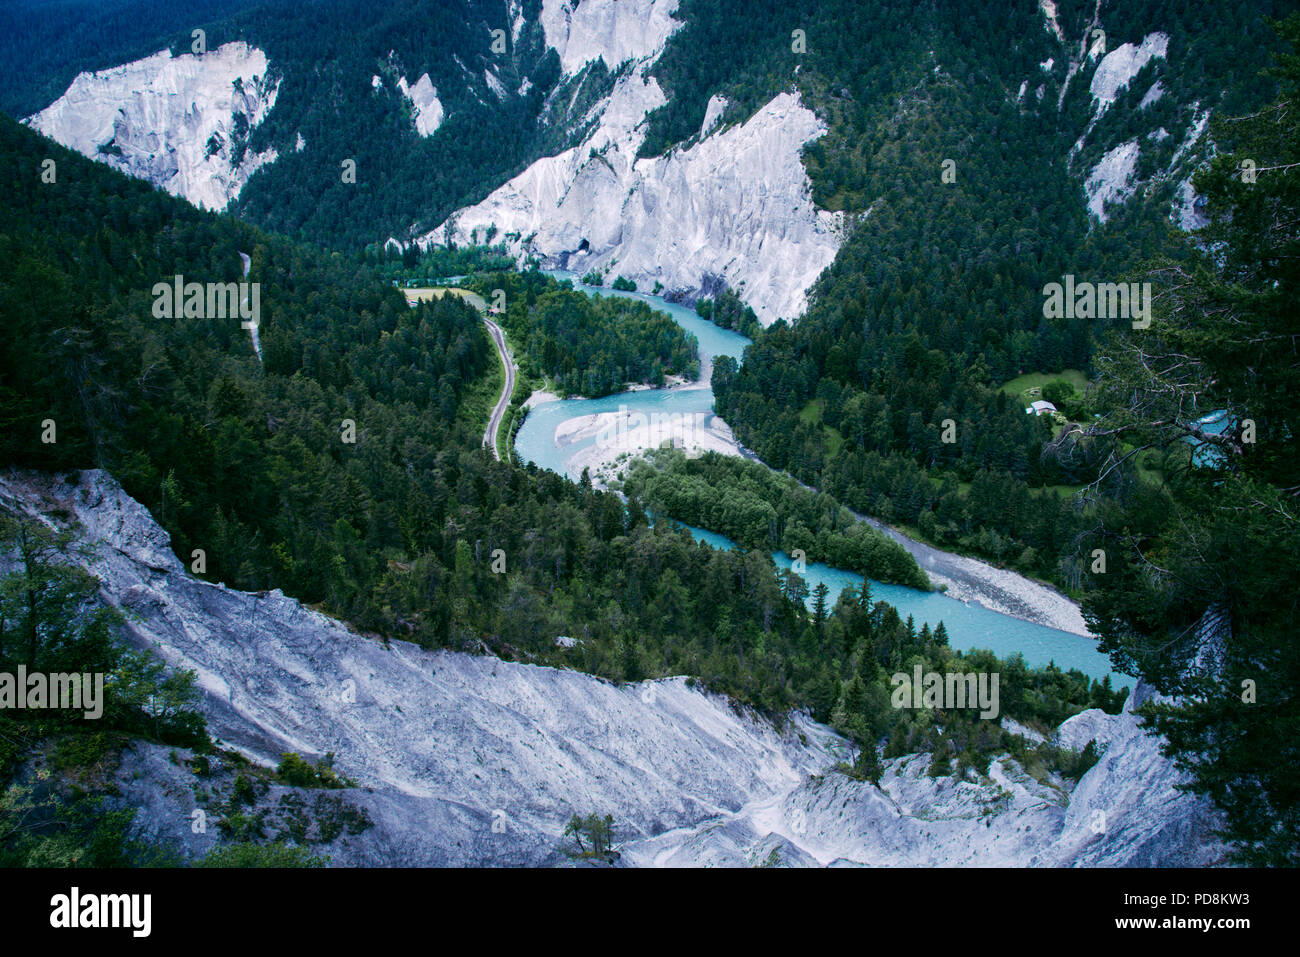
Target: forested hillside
pixel 935 301
pixel 976 153
pixel 1199 592
pixel 402 179
pixel 493 90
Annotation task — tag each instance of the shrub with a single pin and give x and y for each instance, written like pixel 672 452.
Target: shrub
pixel 246 854
pixel 297 772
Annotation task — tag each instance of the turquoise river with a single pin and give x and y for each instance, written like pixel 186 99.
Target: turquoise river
pixel 969 624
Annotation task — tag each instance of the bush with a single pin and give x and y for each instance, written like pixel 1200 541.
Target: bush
pixel 296 772
pixel 592 838
pixel 245 854
pixel 243 792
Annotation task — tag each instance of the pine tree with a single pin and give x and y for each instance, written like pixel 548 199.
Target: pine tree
pixel 864 594
pixel 868 766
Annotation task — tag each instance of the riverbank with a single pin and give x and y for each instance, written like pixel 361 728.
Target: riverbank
pixel 977 582
pixel 540 397
pixel 604 442
pixel 624 434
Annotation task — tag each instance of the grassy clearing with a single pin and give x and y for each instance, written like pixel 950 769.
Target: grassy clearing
pixel 1029 386
pixel 428 293
pixel 812 414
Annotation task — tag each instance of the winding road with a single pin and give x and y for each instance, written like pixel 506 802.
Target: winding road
pixel 507 390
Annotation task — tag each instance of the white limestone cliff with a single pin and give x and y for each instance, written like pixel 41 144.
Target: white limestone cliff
pixel 713 113
pixel 1122 64
pixel 1111 180
pixel 425 103
pixel 732 209
pixel 609 30
pixel 179 122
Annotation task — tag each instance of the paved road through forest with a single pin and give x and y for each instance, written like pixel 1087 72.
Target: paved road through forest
pixel 507 390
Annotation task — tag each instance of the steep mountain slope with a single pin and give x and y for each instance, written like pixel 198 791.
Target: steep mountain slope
pixel 987 164
pixel 732 210
pixel 1125 812
pixel 472 760
pixel 699 144
pixel 425 99
pixel 657 193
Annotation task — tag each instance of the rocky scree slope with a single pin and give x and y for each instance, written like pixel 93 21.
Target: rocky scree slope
pixel 463 759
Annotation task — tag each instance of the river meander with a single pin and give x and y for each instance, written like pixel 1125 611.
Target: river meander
pixel 969 623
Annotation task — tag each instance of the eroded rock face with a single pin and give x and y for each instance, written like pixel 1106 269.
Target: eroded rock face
pixel 181 123
pixel 609 30
pixel 425 104
pixel 1125 812
pixel 734 207
pixel 467 760
pixel 472 760
pixel 1111 180
pixel 1121 64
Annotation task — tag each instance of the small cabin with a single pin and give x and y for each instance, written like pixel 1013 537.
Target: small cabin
pixel 1040 407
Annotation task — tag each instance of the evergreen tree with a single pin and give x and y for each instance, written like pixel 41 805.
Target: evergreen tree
pixel 1198 590
pixel 820 594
